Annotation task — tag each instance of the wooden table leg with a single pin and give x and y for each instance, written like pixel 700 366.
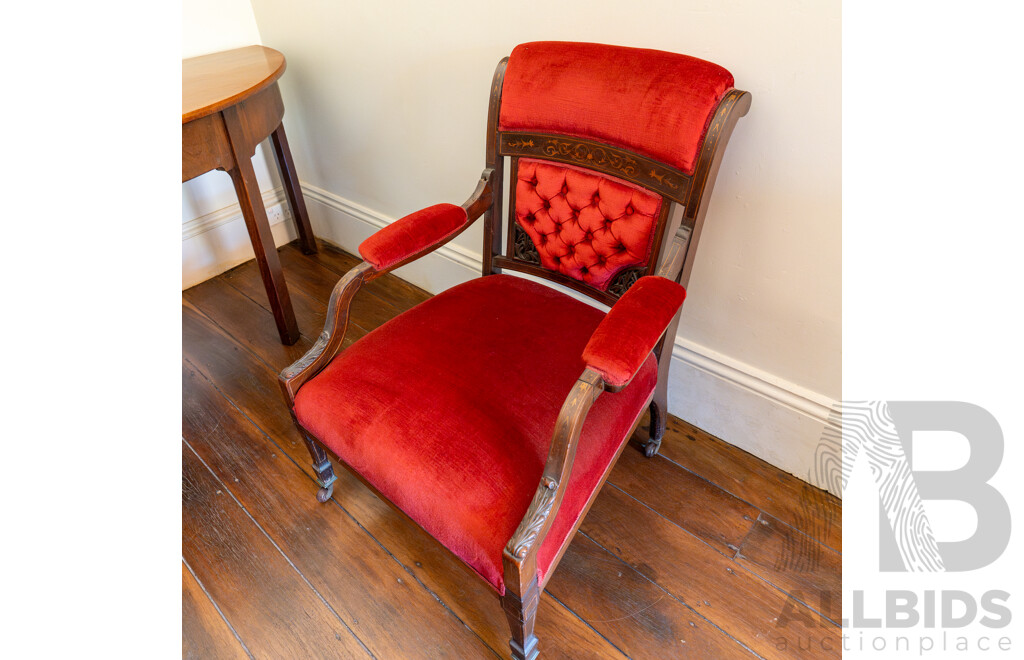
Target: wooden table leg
pixel 244 178
pixel 291 186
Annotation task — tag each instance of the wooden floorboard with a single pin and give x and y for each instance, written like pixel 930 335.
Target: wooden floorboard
pixel 631 611
pixel 697 553
pixel 392 290
pixel 726 594
pixel 310 312
pixel 236 313
pixel 204 631
pixel 795 563
pixel 708 511
pixel 781 495
pixel 318 281
pixel 268 603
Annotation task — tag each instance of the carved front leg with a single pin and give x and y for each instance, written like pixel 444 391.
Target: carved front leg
pixel 519 559
pixel 322 467
pixel 521 613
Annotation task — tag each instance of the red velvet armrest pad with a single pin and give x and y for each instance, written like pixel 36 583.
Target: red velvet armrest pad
pixel 632 328
pixel 412 234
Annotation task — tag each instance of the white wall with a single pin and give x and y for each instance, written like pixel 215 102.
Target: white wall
pixel 214 238
pixel 387 103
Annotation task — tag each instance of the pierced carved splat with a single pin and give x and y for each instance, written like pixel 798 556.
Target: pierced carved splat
pixel 525 250
pixel 627 278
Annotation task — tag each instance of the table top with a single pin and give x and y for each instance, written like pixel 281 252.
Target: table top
pixel 210 83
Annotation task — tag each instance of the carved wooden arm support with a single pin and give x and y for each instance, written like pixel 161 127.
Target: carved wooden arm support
pixel 521 552
pixel 329 342
pixel 616 351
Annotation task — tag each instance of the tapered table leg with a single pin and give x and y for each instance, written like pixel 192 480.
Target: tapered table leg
pixel 291 187
pixel 219 136
pixel 244 178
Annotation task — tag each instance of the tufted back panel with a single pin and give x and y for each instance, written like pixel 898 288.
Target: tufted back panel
pixel 654 103
pixel 587 226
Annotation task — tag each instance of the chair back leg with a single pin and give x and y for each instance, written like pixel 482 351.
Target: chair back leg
pixel 659 414
pixel 659 404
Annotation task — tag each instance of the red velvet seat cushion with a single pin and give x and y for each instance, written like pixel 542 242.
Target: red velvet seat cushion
pixel 654 103
pixel 448 410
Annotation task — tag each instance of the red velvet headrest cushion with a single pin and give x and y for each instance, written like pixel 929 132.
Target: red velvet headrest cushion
pixel 654 103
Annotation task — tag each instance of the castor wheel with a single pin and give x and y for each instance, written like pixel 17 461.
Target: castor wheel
pixel 651 449
pixel 324 494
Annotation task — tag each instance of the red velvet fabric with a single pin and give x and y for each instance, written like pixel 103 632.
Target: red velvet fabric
pixel 449 408
pixel 623 342
pixel 654 103
pixel 415 232
pixel 585 225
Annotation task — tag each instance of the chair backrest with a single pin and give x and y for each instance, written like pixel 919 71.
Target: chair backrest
pixel 603 142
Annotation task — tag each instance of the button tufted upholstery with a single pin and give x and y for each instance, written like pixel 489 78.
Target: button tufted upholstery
pixel 585 225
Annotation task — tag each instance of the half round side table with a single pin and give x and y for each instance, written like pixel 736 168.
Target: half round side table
pixel 230 102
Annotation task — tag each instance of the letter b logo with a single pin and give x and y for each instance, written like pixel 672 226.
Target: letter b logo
pixel 905 534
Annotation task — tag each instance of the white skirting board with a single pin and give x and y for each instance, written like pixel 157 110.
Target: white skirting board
pixel 218 241
pixel 769 417
pixel 775 420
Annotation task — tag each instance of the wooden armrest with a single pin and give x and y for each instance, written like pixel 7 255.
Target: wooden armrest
pixel 615 352
pixel 329 342
pixel 632 329
pixel 422 232
pixel 520 553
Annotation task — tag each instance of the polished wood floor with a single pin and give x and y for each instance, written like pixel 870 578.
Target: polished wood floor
pixel 701 552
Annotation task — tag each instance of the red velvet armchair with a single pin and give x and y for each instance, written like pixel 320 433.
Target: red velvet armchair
pixel 492 413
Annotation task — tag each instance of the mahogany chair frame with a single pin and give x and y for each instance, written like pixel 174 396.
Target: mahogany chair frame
pixel 672 257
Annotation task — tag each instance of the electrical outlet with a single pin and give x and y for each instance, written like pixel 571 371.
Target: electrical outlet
pixel 275 214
